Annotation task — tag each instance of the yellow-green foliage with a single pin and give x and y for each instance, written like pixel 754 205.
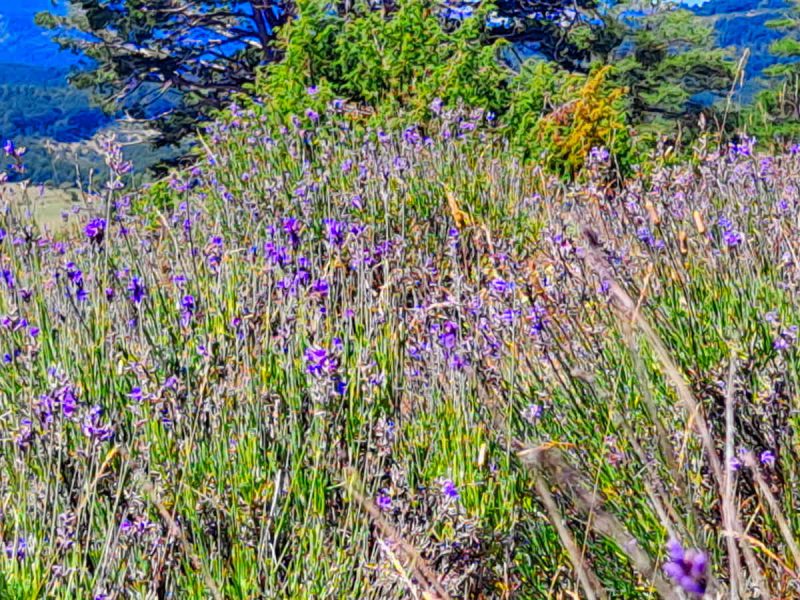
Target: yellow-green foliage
pixel 559 117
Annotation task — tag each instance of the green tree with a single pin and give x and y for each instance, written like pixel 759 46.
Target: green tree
pixel 168 61
pixel 668 61
pixel 389 62
pixel 775 115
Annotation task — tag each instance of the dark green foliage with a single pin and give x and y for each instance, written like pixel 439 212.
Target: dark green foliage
pixel 170 62
pixel 671 60
pixel 775 115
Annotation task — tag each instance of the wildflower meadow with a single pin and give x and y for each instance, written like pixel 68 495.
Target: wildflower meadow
pixel 330 362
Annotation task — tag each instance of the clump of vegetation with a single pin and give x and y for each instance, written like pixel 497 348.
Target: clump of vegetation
pixel 411 324
pixel 373 363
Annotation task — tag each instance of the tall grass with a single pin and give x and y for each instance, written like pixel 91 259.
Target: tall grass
pixel 329 363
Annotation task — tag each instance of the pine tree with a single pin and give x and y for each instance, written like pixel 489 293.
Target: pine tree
pixel 168 61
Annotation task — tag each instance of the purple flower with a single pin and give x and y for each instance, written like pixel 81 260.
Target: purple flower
pixel 188 306
pixel 448 336
pixel 339 386
pixel 291 228
pixel 532 413
pixel 449 490
pixel 74 274
pixel 411 135
pixel 319 361
pixel 767 458
pixel 687 568
pixel 501 286
pixel 599 155
pixel 92 428
pixel 384 502
pixel 61 401
pixel 18 549
pixel 136 290
pixel 646 236
pixel 8 278
pixel 336 231
pixel 458 361
pixel 24 435
pixel 320 287
pixel 95 230
pixel 730 236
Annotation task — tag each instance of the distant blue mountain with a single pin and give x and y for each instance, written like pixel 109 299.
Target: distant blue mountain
pixel 23 43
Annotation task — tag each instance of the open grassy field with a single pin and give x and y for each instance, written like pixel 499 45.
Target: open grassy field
pixel 328 364
pixel 45 205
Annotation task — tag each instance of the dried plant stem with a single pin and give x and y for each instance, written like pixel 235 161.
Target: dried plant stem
pixel 626 308
pixel 185 545
pixel 408 554
pixel 552 461
pixel 728 502
pixel 589 582
pixel 775 511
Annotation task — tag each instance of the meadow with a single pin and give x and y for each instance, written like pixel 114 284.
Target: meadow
pixel 327 362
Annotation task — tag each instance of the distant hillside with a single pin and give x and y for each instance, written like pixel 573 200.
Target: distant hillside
pixel 38 109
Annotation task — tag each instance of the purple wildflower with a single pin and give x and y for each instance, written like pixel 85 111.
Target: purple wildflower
pixel 449 490
pixel 767 458
pixel 95 230
pixel 336 231
pixel 17 549
pixel 8 278
pixel 384 502
pixel 24 435
pixel 687 568
pixel 136 290
pixel 92 427
pixel 320 361
pixel 448 336
pixel 532 413
pixel 291 228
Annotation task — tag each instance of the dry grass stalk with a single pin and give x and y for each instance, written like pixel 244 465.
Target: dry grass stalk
pixel 551 462
pixel 626 308
pixel 405 553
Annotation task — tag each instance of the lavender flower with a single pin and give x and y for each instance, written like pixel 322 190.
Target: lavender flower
pixel 17 549
pixel 312 115
pixel 188 308
pixel 449 490
pixel 767 458
pixel 336 231
pixel 136 290
pixel 92 428
pixel 95 230
pixel 384 501
pixel 320 361
pixel 687 568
